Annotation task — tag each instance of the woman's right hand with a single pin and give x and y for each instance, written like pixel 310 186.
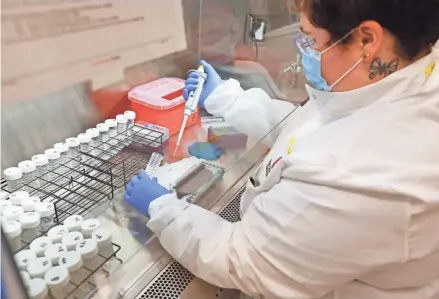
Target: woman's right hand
pixel 212 82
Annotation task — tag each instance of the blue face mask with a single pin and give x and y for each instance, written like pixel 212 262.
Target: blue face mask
pixel 312 61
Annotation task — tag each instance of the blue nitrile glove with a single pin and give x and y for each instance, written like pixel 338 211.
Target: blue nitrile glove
pixel 206 151
pixel 142 190
pixel 212 82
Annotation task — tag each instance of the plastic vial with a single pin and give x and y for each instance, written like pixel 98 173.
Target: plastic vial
pixel 73 152
pixel 122 123
pixel 72 261
pixel 14 177
pixel 38 268
pixel 37 289
pixel 53 253
pixel 73 223
pixel 12 213
pixel 41 161
pixel 57 279
pixel 104 132
pixel 25 277
pixel 63 161
pixel 30 223
pixel 88 249
pixel 12 231
pixel 52 167
pixel 28 168
pixel 47 214
pixel 39 245
pixel 95 144
pixel 112 125
pixel 4 204
pixel 29 204
pixel 57 233
pixel 23 258
pixel 72 239
pixel 17 197
pixel 89 226
pixel 131 117
pixel 84 141
pixel 103 236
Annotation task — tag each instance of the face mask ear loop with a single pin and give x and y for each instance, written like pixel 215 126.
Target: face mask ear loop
pixel 350 70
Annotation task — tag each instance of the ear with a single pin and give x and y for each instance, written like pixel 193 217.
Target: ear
pixel 370 36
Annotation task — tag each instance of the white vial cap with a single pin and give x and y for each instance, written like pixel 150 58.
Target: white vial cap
pixel 12 173
pixel 73 223
pixel 37 289
pixel 61 147
pixel 37 268
pixel 11 229
pixel 53 253
pixel 57 233
pixel 131 115
pixel 111 123
pixel 102 127
pixel 57 277
pixel 25 277
pixel 40 160
pixel 93 133
pixel 72 260
pixel 13 213
pixel 27 166
pixel 52 154
pixel 45 209
pixel 3 204
pixel 121 119
pixel 89 226
pixel 84 138
pixel 102 236
pixel 88 248
pixel 29 204
pixel 72 142
pixel 72 239
pixel 30 220
pixel 39 245
pixel 23 258
pixel 17 197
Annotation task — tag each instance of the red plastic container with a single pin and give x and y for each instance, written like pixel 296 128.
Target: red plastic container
pixel 161 103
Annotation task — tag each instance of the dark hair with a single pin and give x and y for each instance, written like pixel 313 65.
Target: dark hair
pixel 414 23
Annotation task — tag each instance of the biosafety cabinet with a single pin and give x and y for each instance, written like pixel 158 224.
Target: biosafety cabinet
pixel 70 142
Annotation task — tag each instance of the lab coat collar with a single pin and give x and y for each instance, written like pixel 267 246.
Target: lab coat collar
pixel 404 82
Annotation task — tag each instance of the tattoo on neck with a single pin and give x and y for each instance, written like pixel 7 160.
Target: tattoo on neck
pixel 379 68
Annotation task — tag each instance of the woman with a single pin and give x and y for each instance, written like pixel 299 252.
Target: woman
pixel 346 204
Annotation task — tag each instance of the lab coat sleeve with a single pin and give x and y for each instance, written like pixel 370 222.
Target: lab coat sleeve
pixel 297 240
pixel 252 112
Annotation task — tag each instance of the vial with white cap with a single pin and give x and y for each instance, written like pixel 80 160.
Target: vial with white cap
pixel 84 146
pixel 37 268
pixel 73 152
pixel 12 213
pixel 41 162
pixel 131 117
pixel 94 143
pixel 14 177
pixel 57 233
pixel 47 214
pixel 53 253
pixel 103 236
pixel 30 223
pixel 122 122
pixel 104 139
pixel 89 226
pixel 23 258
pixel 112 125
pixel 57 278
pixel 3 204
pixel 28 204
pixel 72 261
pixel 71 239
pixel 17 197
pixel 73 223
pixel 25 277
pixel 28 168
pixel 40 245
pixel 88 249
pixel 63 161
pixel 12 231
pixel 37 289
pixel 54 179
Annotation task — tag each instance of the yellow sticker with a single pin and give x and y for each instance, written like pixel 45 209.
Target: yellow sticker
pixel 290 147
pixel 429 70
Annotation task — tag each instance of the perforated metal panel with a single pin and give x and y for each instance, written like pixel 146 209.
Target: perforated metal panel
pixel 174 279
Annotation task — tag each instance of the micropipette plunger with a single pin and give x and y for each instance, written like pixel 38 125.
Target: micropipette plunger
pixel 192 103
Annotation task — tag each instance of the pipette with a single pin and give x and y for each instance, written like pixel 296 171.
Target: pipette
pixel 192 103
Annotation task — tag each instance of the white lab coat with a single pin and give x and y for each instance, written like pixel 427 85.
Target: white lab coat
pixel 351 213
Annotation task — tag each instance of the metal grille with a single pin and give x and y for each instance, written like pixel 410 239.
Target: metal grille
pixel 174 279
